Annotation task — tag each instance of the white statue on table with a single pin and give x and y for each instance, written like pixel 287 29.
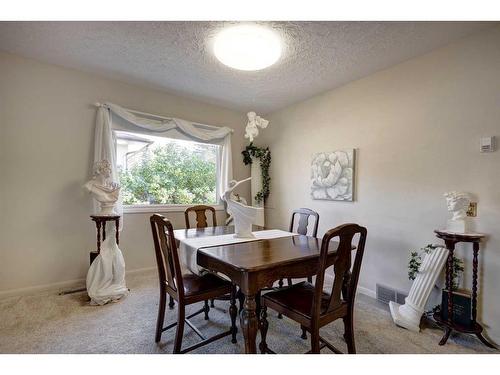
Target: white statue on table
pixel 458 204
pixel 254 123
pixel 243 215
pixel 103 189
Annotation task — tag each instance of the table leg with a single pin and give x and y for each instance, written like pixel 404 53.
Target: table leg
pixel 117 235
pixel 98 226
pixel 449 281
pixel 249 324
pixel 484 341
pixel 447 332
pixel 474 281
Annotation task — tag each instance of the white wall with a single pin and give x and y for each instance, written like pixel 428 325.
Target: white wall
pixel 416 127
pixel 47 129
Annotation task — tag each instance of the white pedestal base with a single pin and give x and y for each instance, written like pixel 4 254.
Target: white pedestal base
pixel 401 320
pixel 457 226
pixel 408 315
pixel 107 209
pixel 255 187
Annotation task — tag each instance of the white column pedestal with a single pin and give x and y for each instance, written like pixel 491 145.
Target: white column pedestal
pixel 255 187
pixel 409 315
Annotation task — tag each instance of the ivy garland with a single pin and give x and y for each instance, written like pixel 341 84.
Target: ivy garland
pixel 264 156
pixel 416 261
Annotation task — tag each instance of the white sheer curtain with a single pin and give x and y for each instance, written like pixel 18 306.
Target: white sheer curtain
pixel 106 275
pixel 105 143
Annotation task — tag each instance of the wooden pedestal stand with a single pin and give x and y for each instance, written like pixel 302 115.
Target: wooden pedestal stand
pixel 451 239
pixel 100 224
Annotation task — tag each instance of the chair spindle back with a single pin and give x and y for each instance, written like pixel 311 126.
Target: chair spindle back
pixel 304 214
pixel 167 258
pixel 346 277
pixel 201 219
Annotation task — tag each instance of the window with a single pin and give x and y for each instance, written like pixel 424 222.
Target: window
pixel 164 171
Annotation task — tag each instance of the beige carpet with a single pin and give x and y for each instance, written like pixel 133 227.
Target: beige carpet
pixel 49 323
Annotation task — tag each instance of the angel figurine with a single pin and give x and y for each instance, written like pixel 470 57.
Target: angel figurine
pixel 254 123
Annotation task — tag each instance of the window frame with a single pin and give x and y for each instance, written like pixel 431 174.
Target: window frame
pixel 159 208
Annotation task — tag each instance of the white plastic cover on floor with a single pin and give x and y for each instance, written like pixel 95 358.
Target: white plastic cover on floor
pixel 106 276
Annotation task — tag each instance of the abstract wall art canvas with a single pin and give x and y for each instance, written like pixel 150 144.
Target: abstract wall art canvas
pixel 332 175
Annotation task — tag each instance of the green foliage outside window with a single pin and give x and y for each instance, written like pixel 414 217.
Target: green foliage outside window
pixel 170 174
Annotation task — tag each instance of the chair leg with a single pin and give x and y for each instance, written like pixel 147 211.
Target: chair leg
pixel 161 315
pixel 280 285
pixel 181 316
pixel 233 312
pixel 171 303
pixel 241 299
pixel 315 340
pixel 304 333
pixel 289 281
pixel 309 279
pixel 349 333
pixel 263 325
pixel 207 309
pixel 212 304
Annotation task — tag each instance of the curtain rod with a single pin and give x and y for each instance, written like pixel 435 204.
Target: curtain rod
pixel 98 105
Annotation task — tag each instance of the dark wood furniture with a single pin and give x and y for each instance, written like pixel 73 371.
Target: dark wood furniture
pixel 313 308
pixel 201 218
pixel 201 222
pixel 450 240
pixel 185 289
pixel 100 224
pixel 256 265
pixel 302 228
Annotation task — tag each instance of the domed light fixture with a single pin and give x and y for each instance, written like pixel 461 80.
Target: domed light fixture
pixel 247 47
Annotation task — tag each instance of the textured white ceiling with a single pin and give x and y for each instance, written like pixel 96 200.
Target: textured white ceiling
pixel 177 56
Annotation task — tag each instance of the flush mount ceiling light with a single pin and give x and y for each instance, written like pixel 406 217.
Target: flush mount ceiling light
pixel 247 47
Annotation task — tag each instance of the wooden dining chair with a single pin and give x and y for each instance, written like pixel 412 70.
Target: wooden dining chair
pixel 201 218
pixel 185 289
pixel 201 222
pixel 303 229
pixel 313 308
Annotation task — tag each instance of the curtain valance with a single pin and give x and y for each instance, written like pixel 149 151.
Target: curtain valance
pixel 160 124
pixel 105 142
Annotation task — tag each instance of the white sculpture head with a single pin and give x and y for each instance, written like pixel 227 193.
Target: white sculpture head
pixel 251 116
pixel 458 204
pixel 254 122
pixel 102 169
pixel 102 188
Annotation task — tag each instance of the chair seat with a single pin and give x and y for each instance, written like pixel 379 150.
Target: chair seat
pixel 194 284
pixel 297 298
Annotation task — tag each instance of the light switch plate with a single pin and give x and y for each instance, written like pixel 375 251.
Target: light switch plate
pixel 472 211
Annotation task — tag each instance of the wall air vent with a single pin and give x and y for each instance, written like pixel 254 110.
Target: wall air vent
pixel 386 294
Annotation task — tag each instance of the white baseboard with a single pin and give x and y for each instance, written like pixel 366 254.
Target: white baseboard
pixel 60 286
pixel 367 292
pixel 360 289
pixel 52 287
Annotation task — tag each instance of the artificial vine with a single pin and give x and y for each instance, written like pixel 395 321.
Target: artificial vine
pixel 416 261
pixel 264 156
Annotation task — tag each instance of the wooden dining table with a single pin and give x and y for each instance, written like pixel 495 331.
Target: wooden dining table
pixel 256 265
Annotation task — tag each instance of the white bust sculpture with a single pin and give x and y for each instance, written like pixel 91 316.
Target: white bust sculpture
pixel 103 189
pixel 243 215
pixel 458 204
pixel 254 123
